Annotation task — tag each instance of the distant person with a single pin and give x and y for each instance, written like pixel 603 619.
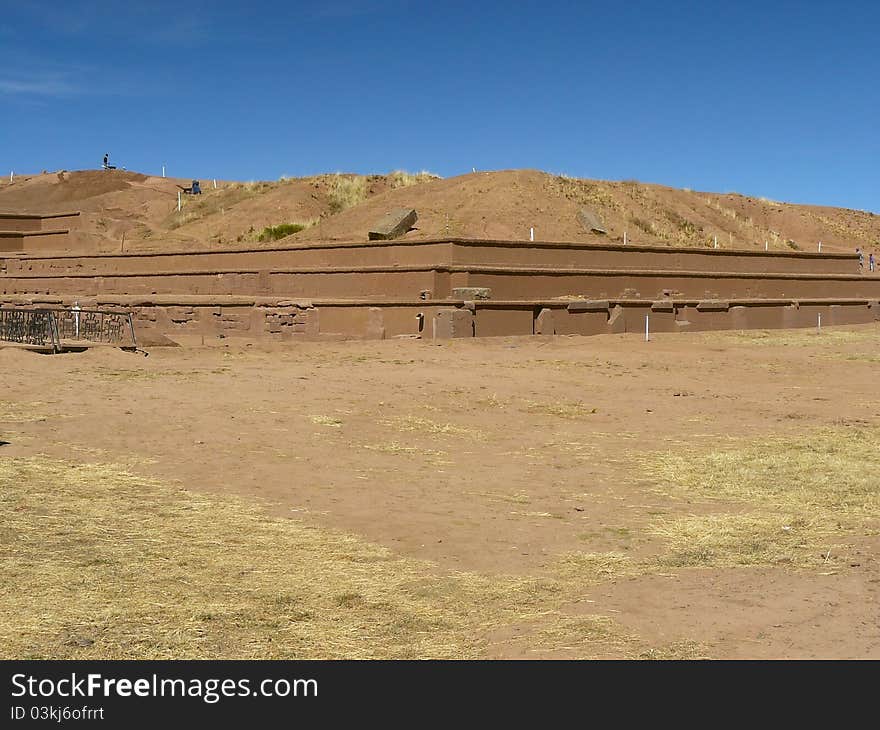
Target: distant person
pixel 861 258
pixel 871 261
pixel 107 165
pixel 196 188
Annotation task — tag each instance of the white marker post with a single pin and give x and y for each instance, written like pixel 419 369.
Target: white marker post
pixel 820 246
pixel 766 246
pixel 11 174
pixel 531 234
pixel 75 309
pixel 215 183
pixel 716 241
pixel 624 238
pixel 163 170
pixel 647 335
pixel 819 323
pixel 178 201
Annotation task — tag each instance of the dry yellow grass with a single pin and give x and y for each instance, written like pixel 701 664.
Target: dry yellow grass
pixel 415 424
pixel 210 202
pixel 560 409
pixel 12 412
pixel 346 191
pixel 403 179
pixel 331 421
pixel 794 500
pixel 729 540
pixel 98 562
pixel 830 471
pixel 805 337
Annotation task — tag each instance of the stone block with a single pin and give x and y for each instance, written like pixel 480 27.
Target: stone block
pixel 375 324
pixel 393 224
pixel 591 221
pixel 713 305
pixel 471 293
pixel 589 305
pixel 617 321
pixel 449 323
pixel 544 324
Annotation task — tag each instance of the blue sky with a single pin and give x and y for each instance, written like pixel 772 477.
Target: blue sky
pixel 778 99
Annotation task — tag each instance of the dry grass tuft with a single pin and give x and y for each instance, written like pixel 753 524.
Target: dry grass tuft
pixel 569 634
pixel 684 650
pixel 331 421
pixel 403 179
pixel 593 568
pixel 12 412
pixel 346 191
pixel 415 424
pixel 561 409
pixel 725 540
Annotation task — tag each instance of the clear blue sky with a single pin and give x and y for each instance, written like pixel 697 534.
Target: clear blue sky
pixel 778 99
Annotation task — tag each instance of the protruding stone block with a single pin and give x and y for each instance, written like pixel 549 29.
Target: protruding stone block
pixel 663 305
pixel 449 323
pixel 375 324
pixel 393 224
pixel 589 305
pixel 617 321
pixel 471 293
pixel 544 324
pixel 713 305
pixel 590 221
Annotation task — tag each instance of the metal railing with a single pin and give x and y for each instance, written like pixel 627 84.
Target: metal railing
pixel 60 327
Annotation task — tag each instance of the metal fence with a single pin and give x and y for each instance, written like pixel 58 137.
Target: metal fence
pixel 57 328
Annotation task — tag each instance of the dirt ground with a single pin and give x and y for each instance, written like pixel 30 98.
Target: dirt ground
pixel 508 457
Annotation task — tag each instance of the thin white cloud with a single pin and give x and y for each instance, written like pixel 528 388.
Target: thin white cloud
pixel 37 86
pixel 159 21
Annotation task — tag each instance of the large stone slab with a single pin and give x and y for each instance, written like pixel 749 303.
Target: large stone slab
pixel 393 224
pixel 544 324
pixel 449 323
pixel 591 221
pixel 589 305
pixel 713 305
pixel 471 292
